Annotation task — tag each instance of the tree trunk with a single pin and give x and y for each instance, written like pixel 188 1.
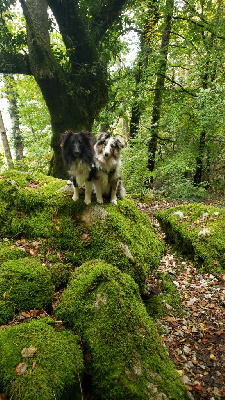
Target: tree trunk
pixel 150 20
pixel 5 143
pixel 136 108
pixel 209 43
pixel 159 88
pixel 73 97
pixel 14 113
pixel 200 159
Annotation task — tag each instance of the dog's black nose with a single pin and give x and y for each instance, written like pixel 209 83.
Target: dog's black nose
pixel 106 154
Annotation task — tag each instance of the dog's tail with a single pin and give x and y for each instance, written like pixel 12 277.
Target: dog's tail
pixel 121 191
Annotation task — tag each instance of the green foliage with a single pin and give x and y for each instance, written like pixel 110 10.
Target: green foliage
pixel 35 126
pixel 134 169
pixel 198 231
pixel 173 178
pixel 26 284
pixel 127 359
pixel 193 100
pixel 53 368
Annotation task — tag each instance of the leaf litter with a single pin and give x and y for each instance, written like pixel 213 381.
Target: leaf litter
pixel 195 339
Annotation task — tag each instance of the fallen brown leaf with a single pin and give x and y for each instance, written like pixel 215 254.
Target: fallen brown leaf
pixel 28 352
pixel 21 369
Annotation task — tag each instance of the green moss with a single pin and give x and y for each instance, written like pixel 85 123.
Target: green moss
pixel 125 238
pixel 6 312
pixel 60 274
pixel 53 368
pixel 10 252
pixel 25 284
pixel 36 209
pixel 126 359
pixel 198 232
pixel 157 304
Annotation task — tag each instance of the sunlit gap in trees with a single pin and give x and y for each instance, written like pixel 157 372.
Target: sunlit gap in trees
pixel 130 41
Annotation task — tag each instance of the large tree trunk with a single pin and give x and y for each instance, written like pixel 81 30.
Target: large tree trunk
pixel 75 96
pixel 159 88
pixel 5 143
pixel 73 83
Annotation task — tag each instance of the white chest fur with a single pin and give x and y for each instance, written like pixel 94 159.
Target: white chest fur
pixel 80 171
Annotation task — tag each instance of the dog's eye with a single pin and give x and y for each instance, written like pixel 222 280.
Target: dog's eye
pixel 102 142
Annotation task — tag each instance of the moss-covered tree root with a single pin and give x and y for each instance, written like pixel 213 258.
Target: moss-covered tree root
pixel 124 355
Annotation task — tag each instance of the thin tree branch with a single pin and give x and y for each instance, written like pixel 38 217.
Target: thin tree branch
pixel 178 84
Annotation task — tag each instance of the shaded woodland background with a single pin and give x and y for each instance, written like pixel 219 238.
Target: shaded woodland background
pixel 68 65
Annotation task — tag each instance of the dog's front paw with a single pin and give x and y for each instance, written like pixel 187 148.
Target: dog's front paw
pixel 87 202
pixel 75 198
pixel 113 201
pixel 100 200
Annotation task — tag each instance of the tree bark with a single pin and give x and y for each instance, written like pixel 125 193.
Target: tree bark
pixel 206 77
pixel 5 143
pixel 159 88
pixel 150 20
pixel 136 109
pixel 14 113
pixel 200 159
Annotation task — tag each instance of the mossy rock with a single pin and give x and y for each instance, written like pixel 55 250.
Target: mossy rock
pixel 157 303
pixel 25 284
pixel 10 252
pixel 198 231
pixel 60 274
pixel 6 311
pixel 38 362
pixel 125 357
pixel 121 235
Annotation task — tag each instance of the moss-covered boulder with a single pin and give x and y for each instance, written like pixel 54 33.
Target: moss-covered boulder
pixel 124 355
pixel 38 362
pixel 24 284
pixel 10 252
pixel 198 231
pixel 39 206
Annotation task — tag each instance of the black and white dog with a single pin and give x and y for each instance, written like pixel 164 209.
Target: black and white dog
pixel 78 155
pixel 107 181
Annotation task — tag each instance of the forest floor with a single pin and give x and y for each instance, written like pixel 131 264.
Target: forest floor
pixel 195 337
pixel 194 334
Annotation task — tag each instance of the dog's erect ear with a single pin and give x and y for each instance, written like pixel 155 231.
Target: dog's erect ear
pixel 120 142
pixel 102 136
pixel 64 136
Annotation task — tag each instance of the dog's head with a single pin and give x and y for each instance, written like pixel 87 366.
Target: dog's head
pixel 77 145
pixel 108 146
